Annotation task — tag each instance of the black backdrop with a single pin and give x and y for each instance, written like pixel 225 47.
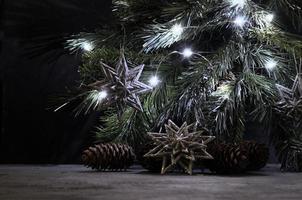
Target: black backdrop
pixel 31 133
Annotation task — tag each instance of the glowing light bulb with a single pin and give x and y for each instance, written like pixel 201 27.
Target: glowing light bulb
pixel 87 46
pixel 177 30
pixel 271 64
pixel 238 3
pixel 154 81
pixel 187 53
pixel 269 18
pixel 240 21
pixel 102 95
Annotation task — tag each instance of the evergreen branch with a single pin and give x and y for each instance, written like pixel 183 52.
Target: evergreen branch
pixel 230 113
pixel 81 100
pixel 260 88
pixel 161 36
pixel 189 9
pixel 218 92
pixel 193 18
pixel 190 92
pixel 250 56
pixel 132 128
pixel 292 8
pixel 291 43
pixel 107 35
pixel 248 91
pixel 136 11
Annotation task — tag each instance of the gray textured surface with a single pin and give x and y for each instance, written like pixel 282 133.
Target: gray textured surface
pixel 76 182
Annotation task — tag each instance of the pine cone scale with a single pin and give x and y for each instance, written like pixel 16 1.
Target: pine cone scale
pixel 237 158
pixel 109 156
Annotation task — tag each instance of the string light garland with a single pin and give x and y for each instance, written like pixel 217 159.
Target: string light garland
pixel 269 18
pixel 237 3
pixel 102 95
pixel 240 21
pixel 271 64
pixel 177 30
pixel 187 53
pixel 87 46
pixel 154 81
pixel 226 57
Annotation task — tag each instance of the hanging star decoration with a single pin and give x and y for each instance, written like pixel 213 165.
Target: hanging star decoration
pixel 122 85
pixel 179 147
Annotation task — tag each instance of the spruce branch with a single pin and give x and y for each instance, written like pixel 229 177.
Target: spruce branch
pixel 247 92
pixel 291 8
pixel 131 128
pixel 219 90
pixel 291 43
pixel 190 91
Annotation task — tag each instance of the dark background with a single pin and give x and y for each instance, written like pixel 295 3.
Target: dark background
pixel 30 131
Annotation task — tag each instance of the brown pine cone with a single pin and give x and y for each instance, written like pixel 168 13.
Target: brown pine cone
pixel 228 159
pixel 108 157
pixel 258 155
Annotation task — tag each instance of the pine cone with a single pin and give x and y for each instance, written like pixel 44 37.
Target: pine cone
pixel 228 159
pixel 258 155
pixel 108 157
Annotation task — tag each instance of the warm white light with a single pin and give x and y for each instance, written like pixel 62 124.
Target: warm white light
pixel 269 18
pixel 238 3
pixel 271 64
pixel 102 95
pixel 87 46
pixel 187 53
pixel 177 30
pixel 154 81
pixel 240 21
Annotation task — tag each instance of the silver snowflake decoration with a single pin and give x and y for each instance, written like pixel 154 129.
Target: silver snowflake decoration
pixel 121 86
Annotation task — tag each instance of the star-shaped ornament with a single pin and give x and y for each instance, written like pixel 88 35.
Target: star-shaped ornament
pixel 179 146
pixel 122 85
